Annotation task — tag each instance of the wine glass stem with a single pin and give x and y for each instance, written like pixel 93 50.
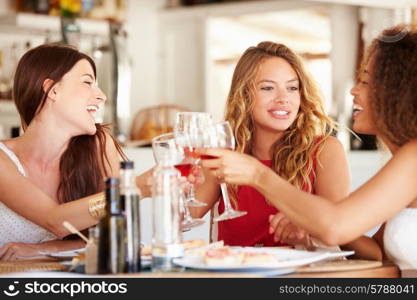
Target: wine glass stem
pixel 226 200
pixel 191 192
pixel 184 208
pixel 182 203
pixel 187 215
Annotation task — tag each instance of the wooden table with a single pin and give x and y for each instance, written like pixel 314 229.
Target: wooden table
pixel 387 270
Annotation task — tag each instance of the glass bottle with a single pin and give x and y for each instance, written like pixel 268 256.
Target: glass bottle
pixel 166 239
pixel 112 227
pixel 130 197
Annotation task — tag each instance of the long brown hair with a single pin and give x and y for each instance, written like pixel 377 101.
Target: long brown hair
pixel 393 83
pixel 292 155
pixel 82 165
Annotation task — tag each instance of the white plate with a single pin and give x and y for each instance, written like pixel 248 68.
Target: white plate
pixel 286 259
pixel 62 254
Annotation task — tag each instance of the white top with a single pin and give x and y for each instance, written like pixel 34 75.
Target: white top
pixel 15 228
pixel 400 239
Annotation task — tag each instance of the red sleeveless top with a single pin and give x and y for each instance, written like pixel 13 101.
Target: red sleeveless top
pixel 253 228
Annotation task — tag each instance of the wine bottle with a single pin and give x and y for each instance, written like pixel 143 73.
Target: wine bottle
pixel 111 245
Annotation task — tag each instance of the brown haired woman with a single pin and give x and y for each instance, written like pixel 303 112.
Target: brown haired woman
pixel 384 104
pixel 278 118
pixel 63 154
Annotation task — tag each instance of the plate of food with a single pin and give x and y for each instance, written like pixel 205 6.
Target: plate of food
pixel 189 247
pixel 234 259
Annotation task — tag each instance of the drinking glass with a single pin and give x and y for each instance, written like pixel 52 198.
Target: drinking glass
pixel 164 147
pixel 191 131
pixel 225 140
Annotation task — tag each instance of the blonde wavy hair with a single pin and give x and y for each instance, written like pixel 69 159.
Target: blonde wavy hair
pixel 293 155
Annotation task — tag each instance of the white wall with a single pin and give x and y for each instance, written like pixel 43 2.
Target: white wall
pixel 364 165
pixel 6 6
pixel 376 19
pixel 182 67
pixel 143 29
pixel 345 31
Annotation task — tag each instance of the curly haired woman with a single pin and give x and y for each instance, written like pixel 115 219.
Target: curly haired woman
pixel 384 104
pixel 277 115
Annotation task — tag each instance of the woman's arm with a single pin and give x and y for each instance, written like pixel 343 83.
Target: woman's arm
pixel 368 248
pixel 365 248
pixel 36 206
pixel 112 165
pixel 390 190
pixel 370 205
pixel 208 192
pixel 332 181
pixel 143 182
pixel 13 251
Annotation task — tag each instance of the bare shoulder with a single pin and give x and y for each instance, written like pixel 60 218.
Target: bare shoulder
pixel 405 155
pixel 111 152
pixel 332 143
pixel 109 146
pixel 409 149
pixel 331 147
pixel 6 164
pixel 332 170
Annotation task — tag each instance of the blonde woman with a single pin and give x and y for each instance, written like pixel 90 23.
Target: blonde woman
pixel 277 116
pixel 385 105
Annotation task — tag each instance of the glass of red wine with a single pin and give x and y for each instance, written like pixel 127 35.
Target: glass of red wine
pixel 191 131
pixel 225 140
pixel 164 147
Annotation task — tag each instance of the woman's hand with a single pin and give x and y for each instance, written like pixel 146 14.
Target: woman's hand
pixel 196 176
pixel 283 230
pixel 232 167
pixel 144 183
pixel 15 251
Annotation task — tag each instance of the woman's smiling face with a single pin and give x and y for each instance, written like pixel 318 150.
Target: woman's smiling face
pixel 277 96
pixel 78 98
pixel 362 117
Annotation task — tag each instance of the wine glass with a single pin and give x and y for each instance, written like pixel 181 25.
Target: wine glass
pixel 225 140
pixel 192 131
pixel 164 146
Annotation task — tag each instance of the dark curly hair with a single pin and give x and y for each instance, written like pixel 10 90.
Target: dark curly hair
pixel 393 83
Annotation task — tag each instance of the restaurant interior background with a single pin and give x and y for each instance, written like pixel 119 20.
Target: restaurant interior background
pixel 155 57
